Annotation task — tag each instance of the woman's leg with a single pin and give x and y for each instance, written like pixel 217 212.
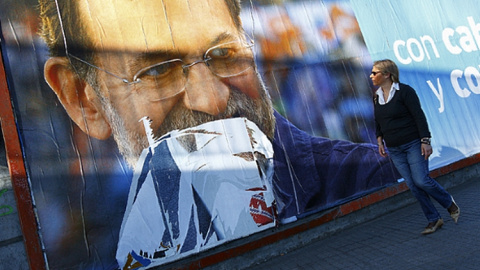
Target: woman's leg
pixel 421 176
pixel 400 158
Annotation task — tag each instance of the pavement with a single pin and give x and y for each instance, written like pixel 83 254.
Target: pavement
pixel 381 236
pixel 394 241
pixel 12 249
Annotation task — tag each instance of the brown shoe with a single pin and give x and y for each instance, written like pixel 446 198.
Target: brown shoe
pixel 454 211
pixel 433 226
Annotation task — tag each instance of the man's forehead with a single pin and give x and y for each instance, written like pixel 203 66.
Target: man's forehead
pixel 149 25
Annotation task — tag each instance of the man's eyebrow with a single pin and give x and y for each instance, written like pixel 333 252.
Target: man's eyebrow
pixel 139 60
pixel 223 37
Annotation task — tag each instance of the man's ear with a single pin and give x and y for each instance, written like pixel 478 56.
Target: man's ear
pixel 77 97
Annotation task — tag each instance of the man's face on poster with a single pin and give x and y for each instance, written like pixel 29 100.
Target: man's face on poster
pixel 183 63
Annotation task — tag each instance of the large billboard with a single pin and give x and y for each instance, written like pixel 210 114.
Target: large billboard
pixel 436 47
pixel 154 130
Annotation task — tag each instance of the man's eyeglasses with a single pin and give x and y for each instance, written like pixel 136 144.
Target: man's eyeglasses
pixel 169 78
pixel 374 73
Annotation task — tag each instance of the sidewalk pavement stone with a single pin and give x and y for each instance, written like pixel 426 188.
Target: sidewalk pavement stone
pixel 12 249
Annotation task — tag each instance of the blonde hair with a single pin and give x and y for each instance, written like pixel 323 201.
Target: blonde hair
pixel 388 66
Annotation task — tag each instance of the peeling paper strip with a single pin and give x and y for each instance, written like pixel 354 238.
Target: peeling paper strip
pixel 197 188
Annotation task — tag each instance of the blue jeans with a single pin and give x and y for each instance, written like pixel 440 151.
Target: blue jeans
pixel 413 167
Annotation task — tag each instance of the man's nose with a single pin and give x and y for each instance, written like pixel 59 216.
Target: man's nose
pixel 204 91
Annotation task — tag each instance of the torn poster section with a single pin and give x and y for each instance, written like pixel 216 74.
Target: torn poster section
pixel 196 188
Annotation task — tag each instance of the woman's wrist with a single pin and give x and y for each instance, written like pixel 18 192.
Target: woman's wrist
pixel 425 140
pixel 380 140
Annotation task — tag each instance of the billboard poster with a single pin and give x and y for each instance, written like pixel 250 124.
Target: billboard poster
pixel 436 47
pixel 155 130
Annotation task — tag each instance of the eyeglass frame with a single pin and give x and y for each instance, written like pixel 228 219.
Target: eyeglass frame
pixel 185 67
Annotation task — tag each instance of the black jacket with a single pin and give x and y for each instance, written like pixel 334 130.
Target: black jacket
pixel 401 120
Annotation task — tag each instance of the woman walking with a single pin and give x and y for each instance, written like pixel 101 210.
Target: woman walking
pixel 402 126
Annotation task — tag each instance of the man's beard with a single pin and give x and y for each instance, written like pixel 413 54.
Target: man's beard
pixel 131 144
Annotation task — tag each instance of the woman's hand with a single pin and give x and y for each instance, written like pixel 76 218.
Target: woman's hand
pixel 426 150
pixel 381 147
pixel 381 150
